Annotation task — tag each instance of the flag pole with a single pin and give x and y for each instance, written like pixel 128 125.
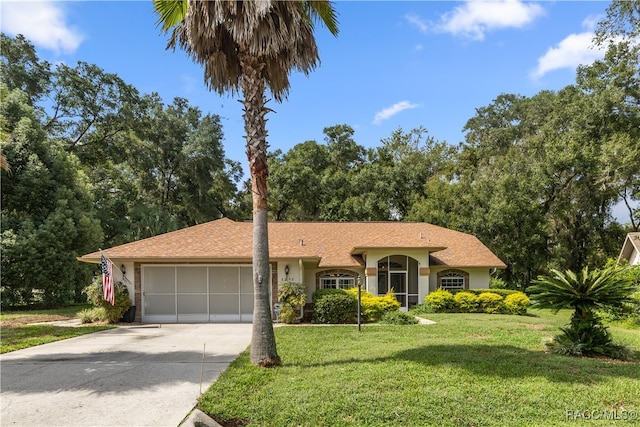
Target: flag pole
pixel 124 276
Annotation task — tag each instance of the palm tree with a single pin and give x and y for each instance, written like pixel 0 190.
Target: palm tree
pixel 247 46
pixel 584 292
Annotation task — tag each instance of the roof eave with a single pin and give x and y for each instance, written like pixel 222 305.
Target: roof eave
pixel 360 249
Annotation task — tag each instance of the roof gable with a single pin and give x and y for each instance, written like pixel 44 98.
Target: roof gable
pixel 631 243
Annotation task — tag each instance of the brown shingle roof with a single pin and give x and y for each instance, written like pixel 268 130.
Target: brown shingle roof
pixel 334 244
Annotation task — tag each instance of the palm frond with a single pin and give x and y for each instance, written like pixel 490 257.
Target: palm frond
pixel 172 13
pixel 586 290
pixel 322 11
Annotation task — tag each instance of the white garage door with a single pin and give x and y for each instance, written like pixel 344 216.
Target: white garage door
pixel 197 293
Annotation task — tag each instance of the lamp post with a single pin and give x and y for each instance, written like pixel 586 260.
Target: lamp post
pixel 359 299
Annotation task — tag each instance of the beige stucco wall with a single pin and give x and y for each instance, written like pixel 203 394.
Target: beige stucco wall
pixel 634 259
pixel 478 276
pixel 298 273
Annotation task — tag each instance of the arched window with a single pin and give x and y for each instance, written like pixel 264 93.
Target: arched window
pixel 453 280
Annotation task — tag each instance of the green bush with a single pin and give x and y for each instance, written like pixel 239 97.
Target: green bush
pixel 517 303
pixel 466 302
pixel 321 293
pixel 92 315
pixel 291 296
pixel 627 312
pixel 440 300
pixel 490 302
pixel 374 307
pixel 398 318
pixel 421 310
pixel 334 308
pixel 112 313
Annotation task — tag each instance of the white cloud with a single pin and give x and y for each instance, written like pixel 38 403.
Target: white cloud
pixel 474 18
pixel 389 112
pixel 42 23
pixel 417 22
pixel 572 51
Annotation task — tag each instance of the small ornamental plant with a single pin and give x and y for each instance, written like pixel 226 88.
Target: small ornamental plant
pixel 585 292
pixel 398 318
pixel 105 312
pixel 292 296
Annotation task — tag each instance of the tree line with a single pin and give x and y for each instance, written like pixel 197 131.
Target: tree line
pixel 92 163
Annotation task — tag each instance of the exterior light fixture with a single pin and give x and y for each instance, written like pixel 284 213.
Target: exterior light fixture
pixel 286 270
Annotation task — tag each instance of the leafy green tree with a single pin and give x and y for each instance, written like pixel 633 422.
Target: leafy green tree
pixel 584 292
pixel 22 69
pixel 47 212
pixel 615 82
pixel 249 46
pixel 300 168
pixel 404 163
pixel 90 108
pixel 536 182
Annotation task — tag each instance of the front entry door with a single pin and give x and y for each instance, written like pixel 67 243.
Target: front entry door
pixel 398 282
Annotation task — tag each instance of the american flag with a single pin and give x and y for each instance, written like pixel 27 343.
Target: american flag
pixel 107 280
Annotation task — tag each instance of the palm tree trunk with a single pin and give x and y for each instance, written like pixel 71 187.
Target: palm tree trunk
pixel 263 341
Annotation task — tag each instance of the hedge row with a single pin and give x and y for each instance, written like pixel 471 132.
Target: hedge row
pixel 487 301
pixel 502 292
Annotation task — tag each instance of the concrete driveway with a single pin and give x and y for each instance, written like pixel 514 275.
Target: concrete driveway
pixel 138 375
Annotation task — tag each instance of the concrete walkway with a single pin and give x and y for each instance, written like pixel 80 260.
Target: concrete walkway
pixel 138 375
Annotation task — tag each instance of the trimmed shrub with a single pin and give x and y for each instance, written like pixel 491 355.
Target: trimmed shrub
pixel 516 303
pixel 440 300
pixel 466 302
pixel 336 307
pixel 374 307
pixel 490 302
pixel 398 318
pixel 112 313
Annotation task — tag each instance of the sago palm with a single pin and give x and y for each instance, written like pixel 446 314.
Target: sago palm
pixel 249 46
pixel 585 292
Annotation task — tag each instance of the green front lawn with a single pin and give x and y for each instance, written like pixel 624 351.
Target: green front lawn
pixel 17 330
pixel 468 369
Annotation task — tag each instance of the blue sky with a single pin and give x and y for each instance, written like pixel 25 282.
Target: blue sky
pixel 394 64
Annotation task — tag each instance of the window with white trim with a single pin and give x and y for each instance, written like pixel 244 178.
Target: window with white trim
pixel 337 281
pixel 452 281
